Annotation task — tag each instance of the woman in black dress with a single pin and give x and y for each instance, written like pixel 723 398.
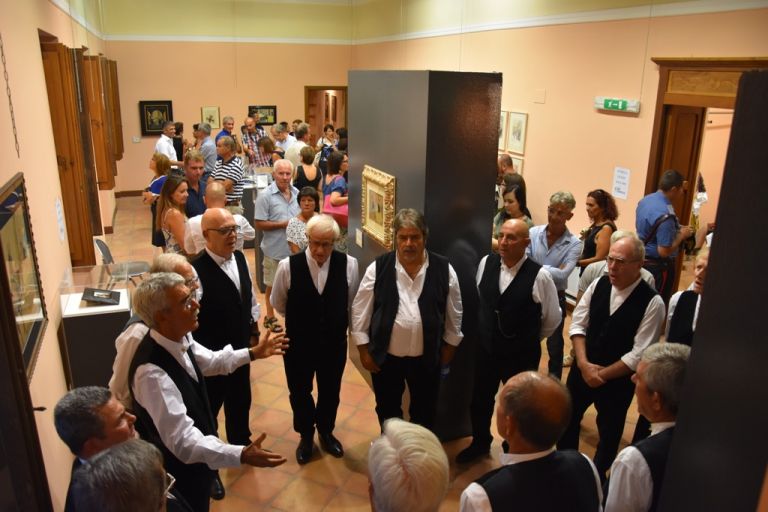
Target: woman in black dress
pixel 308 174
pixel 602 210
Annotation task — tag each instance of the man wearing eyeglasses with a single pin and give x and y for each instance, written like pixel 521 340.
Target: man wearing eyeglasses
pixel 556 249
pixel 518 307
pixel 313 290
pixel 618 316
pixel 229 315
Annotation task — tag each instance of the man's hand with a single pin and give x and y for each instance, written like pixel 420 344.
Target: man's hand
pixel 685 232
pixel 589 373
pixel 270 344
pixel 366 359
pixel 255 455
pixel 446 354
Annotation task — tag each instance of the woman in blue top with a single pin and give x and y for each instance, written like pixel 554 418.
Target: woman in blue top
pixel 335 188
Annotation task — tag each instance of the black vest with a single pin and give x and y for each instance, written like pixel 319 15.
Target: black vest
pixel 195 400
pixel 611 336
pixel 681 325
pixel 655 450
pixel 386 300
pixel 225 314
pixel 563 480
pixel 311 317
pixel 510 322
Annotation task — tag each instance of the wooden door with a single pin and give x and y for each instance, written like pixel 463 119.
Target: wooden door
pixel 100 122
pixel 63 103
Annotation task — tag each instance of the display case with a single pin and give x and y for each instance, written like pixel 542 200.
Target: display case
pixel 88 329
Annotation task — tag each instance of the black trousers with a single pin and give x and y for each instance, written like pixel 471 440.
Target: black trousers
pixel 663 272
pixel 423 385
pixel 234 392
pixel 555 343
pixel 490 370
pixel 194 487
pixel 611 400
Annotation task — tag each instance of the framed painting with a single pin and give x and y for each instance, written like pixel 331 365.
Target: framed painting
pixel 22 304
pixel 210 115
pixel 153 114
pixel 517 164
pixel 267 114
pixel 378 205
pixel 518 125
pixel 503 130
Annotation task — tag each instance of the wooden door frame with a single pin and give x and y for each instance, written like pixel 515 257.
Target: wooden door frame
pixel 310 88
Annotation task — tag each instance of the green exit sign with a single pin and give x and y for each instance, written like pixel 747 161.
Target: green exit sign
pixel 614 104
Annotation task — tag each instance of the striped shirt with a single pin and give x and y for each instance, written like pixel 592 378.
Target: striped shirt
pixel 231 170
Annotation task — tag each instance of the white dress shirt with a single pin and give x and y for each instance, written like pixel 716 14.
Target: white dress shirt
pixel 164 146
pixel 407 338
pixel 282 281
pixel 194 241
pixel 229 267
pixel 475 499
pixel 126 344
pixel 630 488
pixel 647 333
pixel 156 392
pixel 673 305
pixel 544 292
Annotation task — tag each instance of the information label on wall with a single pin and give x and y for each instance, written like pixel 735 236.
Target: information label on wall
pixel 60 220
pixel 620 182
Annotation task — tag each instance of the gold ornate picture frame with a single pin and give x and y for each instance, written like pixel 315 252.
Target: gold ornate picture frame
pixel 378 205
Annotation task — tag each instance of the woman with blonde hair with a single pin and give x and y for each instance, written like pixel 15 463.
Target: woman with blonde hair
pixel 171 218
pixel 160 166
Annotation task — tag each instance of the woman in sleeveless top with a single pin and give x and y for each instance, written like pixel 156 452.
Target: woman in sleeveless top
pixel 328 138
pixel 296 231
pixel 160 166
pixel 514 208
pixel 308 174
pixel 335 185
pixel 170 213
pixel 602 210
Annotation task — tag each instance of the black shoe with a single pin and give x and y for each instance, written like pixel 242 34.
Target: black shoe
pixel 304 450
pixel 472 452
pixel 505 446
pixel 217 488
pixel 331 445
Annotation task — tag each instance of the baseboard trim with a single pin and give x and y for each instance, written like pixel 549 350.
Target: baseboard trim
pixel 128 193
pixel 108 230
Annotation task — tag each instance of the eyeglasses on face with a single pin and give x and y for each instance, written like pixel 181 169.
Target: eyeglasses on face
pixel 618 261
pixel 226 230
pixel 320 245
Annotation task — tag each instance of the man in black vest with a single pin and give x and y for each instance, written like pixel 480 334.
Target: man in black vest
pixel 618 317
pixel 169 392
pixel 684 306
pixel 532 413
pixel 518 307
pixel 638 471
pixel 406 322
pixel 313 290
pixel 89 420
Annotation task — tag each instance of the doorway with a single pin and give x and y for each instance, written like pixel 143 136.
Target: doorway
pixel 323 105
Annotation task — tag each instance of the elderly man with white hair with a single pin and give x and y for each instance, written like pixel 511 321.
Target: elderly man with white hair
pixel 407 468
pixel 314 289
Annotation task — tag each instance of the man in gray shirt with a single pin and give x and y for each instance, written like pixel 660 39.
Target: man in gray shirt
pixel 208 149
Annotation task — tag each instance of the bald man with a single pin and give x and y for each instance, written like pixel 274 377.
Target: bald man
pixel 215 197
pixel 518 307
pixel 532 413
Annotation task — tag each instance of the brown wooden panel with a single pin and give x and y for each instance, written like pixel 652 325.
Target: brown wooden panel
pixel 680 149
pixel 699 100
pixel 94 94
pixel 704 82
pixel 114 106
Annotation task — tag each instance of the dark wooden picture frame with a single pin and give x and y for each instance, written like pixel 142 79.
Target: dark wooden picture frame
pixel 267 114
pixel 21 292
pixel 153 114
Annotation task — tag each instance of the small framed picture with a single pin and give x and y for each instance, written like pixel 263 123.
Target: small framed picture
pixel 264 114
pixel 502 130
pixel 210 115
pixel 378 205
pixel 153 114
pixel 518 124
pixel 517 164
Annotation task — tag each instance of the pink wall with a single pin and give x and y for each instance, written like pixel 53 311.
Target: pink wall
pixel 571 146
pixel 228 75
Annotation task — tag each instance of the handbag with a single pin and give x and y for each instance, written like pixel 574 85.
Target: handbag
pixel 339 213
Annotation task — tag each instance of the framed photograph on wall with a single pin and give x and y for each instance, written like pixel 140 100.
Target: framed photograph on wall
pixel 518 124
pixel 517 164
pixel 153 114
pixel 210 115
pixel 267 114
pixel 503 129
pixel 378 205
pixel 22 304
pixel 333 109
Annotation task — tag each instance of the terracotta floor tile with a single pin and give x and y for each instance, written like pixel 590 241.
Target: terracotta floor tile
pixel 357 484
pixel 363 421
pixel 304 495
pixel 273 422
pixel 353 394
pixel 264 393
pixel 259 485
pixel 347 502
pixel 326 470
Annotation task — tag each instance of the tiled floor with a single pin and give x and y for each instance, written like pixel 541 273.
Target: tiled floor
pixel 326 483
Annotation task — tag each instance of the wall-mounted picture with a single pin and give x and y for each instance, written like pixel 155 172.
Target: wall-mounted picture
pixel 267 114
pixel 152 115
pixel 517 164
pixel 378 205
pixel 22 305
pixel 333 109
pixel 210 115
pixel 327 112
pixel 518 124
pixel 502 129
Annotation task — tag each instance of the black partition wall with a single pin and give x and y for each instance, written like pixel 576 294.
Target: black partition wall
pixel 436 132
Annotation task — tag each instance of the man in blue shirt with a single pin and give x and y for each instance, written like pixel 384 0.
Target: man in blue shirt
pixel 208 150
pixel 194 166
pixel 557 250
pixel 658 227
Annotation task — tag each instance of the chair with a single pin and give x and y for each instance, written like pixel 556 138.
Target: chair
pixel 131 269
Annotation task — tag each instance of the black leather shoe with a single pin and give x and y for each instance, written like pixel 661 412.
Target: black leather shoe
pixel 217 488
pixel 505 446
pixel 472 453
pixel 331 445
pixel 304 450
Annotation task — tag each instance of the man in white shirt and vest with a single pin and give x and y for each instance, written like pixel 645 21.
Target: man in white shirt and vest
pixel 313 290
pixel 406 322
pixel 618 317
